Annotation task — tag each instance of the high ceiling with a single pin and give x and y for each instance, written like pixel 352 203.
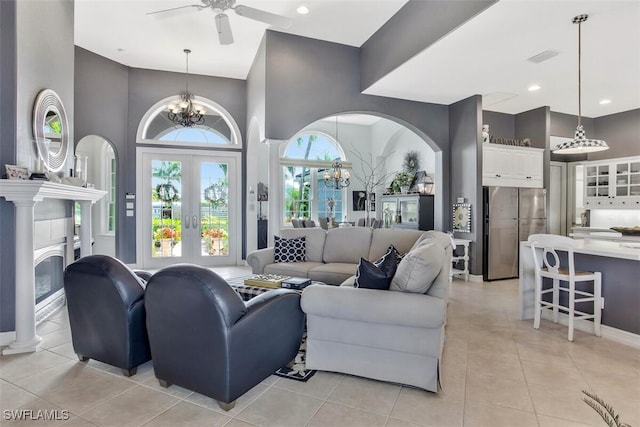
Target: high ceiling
pixel 486 56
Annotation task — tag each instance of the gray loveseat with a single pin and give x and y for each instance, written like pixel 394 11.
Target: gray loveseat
pixel 333 255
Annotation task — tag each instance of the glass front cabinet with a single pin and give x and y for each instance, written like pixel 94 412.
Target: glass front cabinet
pixel 412 211
pixel 612 184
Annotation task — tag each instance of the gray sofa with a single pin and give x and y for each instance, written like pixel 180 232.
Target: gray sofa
pixel 394 335
pixel 333 255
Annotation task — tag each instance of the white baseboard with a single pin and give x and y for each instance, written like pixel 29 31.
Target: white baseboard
pixel 607 332
pixel 7 338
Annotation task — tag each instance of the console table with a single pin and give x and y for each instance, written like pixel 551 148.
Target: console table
pixel 24 195
pixel 464 257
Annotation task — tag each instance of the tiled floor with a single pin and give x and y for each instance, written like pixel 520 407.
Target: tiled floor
pixel 498 371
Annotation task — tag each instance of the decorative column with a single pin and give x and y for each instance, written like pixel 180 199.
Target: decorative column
pixel 24 195
pixel 26 338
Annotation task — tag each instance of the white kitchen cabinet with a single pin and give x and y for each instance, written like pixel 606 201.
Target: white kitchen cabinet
pixel 512 166
pixel 612 183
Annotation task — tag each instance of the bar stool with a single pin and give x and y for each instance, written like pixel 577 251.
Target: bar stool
pixel 549 267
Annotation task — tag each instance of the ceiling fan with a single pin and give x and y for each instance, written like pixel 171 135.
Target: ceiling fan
pixel 222 19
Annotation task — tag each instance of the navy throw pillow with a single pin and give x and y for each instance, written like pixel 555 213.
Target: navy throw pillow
pixel 376 275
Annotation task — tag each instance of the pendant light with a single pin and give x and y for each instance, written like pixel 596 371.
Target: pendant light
pixel 580 144
pixel 184 112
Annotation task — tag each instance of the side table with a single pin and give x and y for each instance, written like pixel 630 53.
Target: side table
pixel 464 257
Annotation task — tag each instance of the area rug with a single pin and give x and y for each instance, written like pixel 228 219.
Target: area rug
pixel 296 369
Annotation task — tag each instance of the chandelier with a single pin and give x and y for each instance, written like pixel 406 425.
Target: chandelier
pixel 338 178
pixel 185 113
pixel 580 143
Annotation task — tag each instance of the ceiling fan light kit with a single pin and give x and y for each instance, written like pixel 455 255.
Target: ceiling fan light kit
pixel 185 113
pixel 223 27
pixel 580 144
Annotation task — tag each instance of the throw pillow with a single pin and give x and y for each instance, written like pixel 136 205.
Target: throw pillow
pixel 419 268
pixel 290 250
pixel 376 275
pixel 391 250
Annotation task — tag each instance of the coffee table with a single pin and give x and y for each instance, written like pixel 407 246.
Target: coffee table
pixel 248 292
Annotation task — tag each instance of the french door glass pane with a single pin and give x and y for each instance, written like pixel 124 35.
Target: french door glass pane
pixel 214 209
pixel 166 179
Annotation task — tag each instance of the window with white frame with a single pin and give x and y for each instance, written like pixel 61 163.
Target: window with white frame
pixel 305 194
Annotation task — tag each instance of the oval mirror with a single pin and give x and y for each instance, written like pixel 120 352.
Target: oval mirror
pixel 51 130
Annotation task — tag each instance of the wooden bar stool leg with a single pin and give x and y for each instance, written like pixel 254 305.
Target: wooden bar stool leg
pixel 597 303
pixel 556 299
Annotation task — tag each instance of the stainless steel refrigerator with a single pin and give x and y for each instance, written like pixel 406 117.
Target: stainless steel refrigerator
pixel 510 216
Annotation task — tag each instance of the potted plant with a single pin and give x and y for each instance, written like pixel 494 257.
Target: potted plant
pixel 403 180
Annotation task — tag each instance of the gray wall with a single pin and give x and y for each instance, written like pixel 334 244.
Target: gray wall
pixel 465 128
pixel 621 132
pixel 8 91
pixel 534 124
pixel 416 26
pixel 308 79
pixel 36 58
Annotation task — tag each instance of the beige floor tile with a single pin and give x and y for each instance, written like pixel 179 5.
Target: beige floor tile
pixel 428 409
pixel 37 413
pixel 76 387
pixel 551 374
pixel 334 415
pixel 56 338
pixel 320 386
pixel 49 326
pixel 13 397
pixel 277 407
pixel 186 414
pixel 498 391
pixel 535 352
pixel 241 403
pixel 77 421
pixel 562 403
pixel 173 390
pixel 23 365
pixel 238 423
pixel 65 350
pixel 270 380
pixel 482 414
pixel 369 395
pixel 506 366
pixel 547 421
pixel 131 408
pixel 394 422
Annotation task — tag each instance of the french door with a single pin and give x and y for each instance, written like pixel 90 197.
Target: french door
pixel 189 208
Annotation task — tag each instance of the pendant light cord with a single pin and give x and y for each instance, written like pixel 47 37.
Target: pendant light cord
pixel 187 51
pixel 580 73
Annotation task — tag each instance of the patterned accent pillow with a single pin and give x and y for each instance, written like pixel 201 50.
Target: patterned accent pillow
pixel 376 275
pixel 290 250
pixel 391 250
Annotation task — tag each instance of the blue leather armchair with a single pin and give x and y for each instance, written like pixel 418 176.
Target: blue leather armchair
pixel 105 300
pixel 205 338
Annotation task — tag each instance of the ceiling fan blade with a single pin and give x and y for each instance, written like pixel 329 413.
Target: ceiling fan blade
pixel 224 29
pixel 173 11
pixel 264 16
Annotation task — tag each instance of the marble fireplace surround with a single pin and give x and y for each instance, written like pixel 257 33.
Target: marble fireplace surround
pixel 24 195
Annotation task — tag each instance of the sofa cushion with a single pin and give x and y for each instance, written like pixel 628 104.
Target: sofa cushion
pixel 391 252
pixel 332 274
pixel 347 244
pixel 402 240
pixel 293 269
pixel 419 268
pixel 376 275
pixel 289 250
pixel 315 238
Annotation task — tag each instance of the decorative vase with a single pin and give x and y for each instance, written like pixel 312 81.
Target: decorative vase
pixel 165 247
pixel 404 189
pixel 215 246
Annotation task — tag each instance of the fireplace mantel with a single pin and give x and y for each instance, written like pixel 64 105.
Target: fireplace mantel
pixel 24 195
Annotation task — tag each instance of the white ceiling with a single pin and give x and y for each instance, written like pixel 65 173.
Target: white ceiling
pixel 486 56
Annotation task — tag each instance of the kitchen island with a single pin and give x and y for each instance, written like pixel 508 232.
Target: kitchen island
pixel 619 263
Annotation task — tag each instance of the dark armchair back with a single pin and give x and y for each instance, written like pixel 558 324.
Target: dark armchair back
pixel 205 338
pixel 105 300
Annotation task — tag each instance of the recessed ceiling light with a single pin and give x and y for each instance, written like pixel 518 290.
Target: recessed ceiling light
pixel 302 10
pixel 605 101
pixel 534 88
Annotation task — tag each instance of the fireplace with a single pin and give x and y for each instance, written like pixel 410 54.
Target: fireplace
pixel 49 263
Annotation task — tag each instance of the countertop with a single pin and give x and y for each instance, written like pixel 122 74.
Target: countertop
pixel 606 248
